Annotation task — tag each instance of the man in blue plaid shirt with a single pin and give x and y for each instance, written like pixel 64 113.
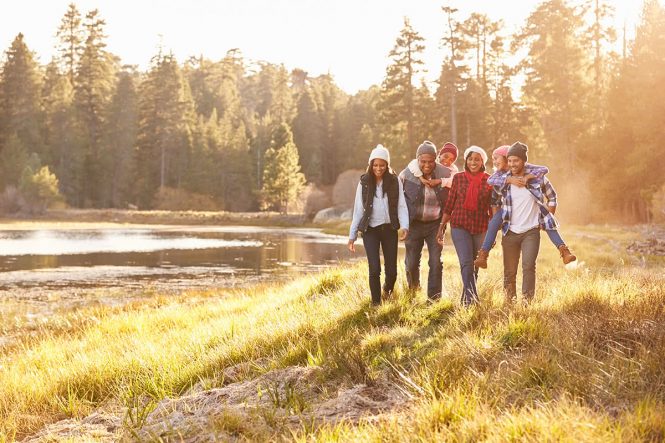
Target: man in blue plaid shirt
pixel 526 208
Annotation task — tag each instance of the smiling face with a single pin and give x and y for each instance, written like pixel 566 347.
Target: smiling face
pixel 379 168
pixel 426 162
pixel 446 159
pixel 499 162
pixel 516 165
pixel 474 162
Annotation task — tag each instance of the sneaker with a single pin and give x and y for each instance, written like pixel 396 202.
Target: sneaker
pixel 566 255
pixel 481 259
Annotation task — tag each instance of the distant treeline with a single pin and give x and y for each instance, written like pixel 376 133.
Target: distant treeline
pixel 242 134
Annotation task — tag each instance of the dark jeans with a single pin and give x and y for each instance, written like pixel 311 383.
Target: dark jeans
pixel 495 225
pixel 528 244
pixel 383 236
pixel 420 233
pixel 467 246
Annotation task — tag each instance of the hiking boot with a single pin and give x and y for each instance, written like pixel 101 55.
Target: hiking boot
pixel 566 255
pixel 481 259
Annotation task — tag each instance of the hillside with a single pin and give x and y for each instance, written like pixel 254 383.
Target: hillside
pixel 309 360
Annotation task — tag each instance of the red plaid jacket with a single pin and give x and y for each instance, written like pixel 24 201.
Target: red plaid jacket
pixel 473 221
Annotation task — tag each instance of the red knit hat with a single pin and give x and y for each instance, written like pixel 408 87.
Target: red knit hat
pixel 449 147
pixel 501 150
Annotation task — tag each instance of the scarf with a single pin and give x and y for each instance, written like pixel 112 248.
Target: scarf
pixel 473 191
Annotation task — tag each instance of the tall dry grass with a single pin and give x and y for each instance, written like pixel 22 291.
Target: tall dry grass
pixel 581 363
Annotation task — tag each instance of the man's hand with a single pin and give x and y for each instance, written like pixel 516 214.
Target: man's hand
pixel 352 245
pixel 404 234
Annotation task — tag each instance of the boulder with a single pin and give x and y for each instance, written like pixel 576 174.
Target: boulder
pixel 335 213
pixel 344 191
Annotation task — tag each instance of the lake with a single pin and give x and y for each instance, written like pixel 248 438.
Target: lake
pixel 161 258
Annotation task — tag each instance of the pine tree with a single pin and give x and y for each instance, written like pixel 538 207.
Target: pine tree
pixel 398 91
pixel 70 37
pixel 13 159
pixel 20 94
pixel 166 118
pixel 308 134
pixel 451 73
pixel 119 141
pixel 94 83
pixel 282 180
pixel 63 138
pixel 556 87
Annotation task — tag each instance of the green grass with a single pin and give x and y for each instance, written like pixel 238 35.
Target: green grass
pixel 584 362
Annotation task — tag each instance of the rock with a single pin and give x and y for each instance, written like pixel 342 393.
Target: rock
pixel 246 410
pixel 333 214
pixel 98 427
pixel 344 191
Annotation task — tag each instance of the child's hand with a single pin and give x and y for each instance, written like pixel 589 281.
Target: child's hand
pixel 517 181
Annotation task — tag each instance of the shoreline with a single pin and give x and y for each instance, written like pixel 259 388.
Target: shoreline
pixel 114 218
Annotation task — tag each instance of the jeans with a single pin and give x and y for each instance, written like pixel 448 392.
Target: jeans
pixel 492 230
pixel 467 246
pixel 554 236
pixel 528 244
pixel 495 225
pixel 420 233
pixel 383 236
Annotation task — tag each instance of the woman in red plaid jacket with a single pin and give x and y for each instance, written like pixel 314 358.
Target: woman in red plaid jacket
pixel 468 210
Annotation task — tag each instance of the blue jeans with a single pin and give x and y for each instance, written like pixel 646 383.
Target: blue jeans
pixel 385 237
pixel 420 233
pixel 495 225
pixel 467 246
pixel 492 230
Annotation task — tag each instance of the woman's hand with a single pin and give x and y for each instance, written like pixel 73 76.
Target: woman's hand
pixel 352 245
pixel 440 234
pixel 404 234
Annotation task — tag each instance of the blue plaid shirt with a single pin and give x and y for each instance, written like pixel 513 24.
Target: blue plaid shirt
pixel 542 191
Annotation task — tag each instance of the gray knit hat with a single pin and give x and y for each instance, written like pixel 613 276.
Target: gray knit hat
pixel 426 147
pixel 518 149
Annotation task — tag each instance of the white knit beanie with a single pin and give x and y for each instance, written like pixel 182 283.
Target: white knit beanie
pixel 379 152
pixel 477 150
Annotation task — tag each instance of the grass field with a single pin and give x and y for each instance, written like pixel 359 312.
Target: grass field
pixel 583 362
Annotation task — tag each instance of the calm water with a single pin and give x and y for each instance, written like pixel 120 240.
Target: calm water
pixel 174 257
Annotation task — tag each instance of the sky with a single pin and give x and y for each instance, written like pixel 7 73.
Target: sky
pixel 349 39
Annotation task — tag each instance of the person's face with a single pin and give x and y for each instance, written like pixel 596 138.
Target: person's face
pixel 515 164
pixel 426 163
pixel 446 159
pixel 499 162
pixel 379 167
pixel 474 162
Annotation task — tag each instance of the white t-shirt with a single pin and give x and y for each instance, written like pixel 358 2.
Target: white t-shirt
pixel 525 210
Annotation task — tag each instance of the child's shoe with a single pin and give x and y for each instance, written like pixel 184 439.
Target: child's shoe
pixel 481 259
pixel 566 255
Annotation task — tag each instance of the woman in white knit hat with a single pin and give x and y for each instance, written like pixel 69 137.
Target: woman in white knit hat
pixel 378 213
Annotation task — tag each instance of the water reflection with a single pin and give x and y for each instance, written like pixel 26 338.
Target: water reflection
pixel 190 256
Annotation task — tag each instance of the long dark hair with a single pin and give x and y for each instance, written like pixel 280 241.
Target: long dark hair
pixel 372 178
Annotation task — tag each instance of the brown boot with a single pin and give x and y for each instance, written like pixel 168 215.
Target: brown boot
pixel 566 255
pixel 481 259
